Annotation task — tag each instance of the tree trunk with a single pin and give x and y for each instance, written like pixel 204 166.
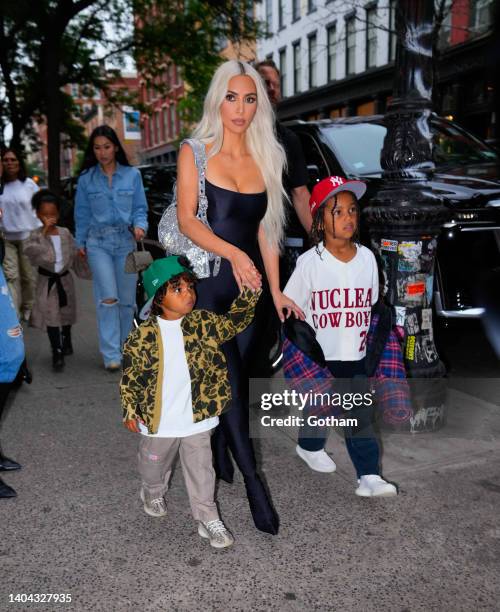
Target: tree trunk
pixel 53 114
pixel 16 141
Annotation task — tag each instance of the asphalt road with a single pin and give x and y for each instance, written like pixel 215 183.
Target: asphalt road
pixel 77 526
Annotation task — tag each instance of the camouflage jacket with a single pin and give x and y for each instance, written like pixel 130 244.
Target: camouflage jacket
pixel 204 332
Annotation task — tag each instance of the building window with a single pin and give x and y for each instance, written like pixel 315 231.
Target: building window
pixel 165 124
pixel 371 37
pixel 331 41
pixel 482 15
pixel 311 6
pixel 295 10
pixel 281 14
pixel 313 60
pixel 350 46
pixel 392 30
pixel 150 132
pixel 282 67
pixel 297 67
pixel 444 34
pixel 172 121
pixel 157 127
pixel 269 16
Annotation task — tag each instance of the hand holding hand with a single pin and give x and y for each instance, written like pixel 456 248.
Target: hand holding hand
pixel 245 272
pixel 284 303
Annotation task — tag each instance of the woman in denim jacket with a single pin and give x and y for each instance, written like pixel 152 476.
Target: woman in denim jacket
pixel 11 358
pixel 110 216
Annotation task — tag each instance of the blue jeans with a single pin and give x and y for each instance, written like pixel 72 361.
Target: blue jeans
pixel 114 289
pixel 361 443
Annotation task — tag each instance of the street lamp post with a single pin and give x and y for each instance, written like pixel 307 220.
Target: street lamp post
pixel 404 218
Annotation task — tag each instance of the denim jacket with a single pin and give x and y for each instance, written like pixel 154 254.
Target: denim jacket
pixel 11 335
pixel 98 204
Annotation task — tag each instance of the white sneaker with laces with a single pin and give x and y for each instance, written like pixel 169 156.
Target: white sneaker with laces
pixel 216 532
pixel 373 485
pixel 319 461
pixel 154 507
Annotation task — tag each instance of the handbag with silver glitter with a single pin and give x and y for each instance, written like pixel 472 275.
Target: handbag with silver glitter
pixel 169 234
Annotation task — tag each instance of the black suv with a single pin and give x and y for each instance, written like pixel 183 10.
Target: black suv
pixel 466 177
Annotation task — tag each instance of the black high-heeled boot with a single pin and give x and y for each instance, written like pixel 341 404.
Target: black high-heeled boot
pixel 67 346
pixel 6 464
pixel 264 516
pixel 23 375
pixel 6 491
pixel 54 334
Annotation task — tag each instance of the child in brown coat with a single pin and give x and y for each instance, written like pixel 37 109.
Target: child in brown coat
pixel 52 249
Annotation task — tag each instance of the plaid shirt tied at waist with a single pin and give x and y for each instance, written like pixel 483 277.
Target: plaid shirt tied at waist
pixel 388 381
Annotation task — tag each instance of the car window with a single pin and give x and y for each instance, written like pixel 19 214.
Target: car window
pixel 453 146
pixel 158 179
pixel 358 146
pixel 313 155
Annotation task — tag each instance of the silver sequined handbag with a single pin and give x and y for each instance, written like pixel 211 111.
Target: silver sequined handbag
pixel 169 234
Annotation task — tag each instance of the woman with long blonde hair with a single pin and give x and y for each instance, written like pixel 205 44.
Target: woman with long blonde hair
pixel 246 215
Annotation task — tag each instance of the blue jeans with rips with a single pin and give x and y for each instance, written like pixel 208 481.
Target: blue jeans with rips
pixel 114 289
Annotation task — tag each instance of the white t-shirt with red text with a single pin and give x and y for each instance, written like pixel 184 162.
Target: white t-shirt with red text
pixel 336 298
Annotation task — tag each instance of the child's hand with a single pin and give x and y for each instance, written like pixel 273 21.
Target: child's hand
pixel 282 302
pixel 132 425
pixel 48 224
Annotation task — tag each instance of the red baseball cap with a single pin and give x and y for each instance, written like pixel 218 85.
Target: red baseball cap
pixel 331 185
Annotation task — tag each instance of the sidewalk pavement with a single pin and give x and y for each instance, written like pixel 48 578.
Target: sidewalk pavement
pixel 78 527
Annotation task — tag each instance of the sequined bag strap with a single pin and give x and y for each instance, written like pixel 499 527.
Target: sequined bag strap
pixel 200 159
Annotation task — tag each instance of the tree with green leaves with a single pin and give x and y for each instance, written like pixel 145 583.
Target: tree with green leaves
pixel 47 44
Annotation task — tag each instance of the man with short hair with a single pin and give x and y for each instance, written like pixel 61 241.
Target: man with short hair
pixel 294 180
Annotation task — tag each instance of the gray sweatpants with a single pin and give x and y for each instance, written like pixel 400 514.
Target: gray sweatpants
pixel 156 457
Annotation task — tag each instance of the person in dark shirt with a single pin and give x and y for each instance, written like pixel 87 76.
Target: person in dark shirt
pixel 294 180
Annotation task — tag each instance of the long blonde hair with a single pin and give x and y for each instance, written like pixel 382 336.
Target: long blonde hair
pixel 261 141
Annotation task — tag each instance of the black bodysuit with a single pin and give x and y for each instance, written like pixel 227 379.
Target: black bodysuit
pixel 235 217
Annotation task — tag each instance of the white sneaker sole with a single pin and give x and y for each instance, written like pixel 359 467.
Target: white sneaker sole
pixel 204 534
pixel 387 493
pixel 323 470
pixel 147 510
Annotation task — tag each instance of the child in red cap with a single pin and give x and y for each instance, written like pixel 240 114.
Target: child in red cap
pixel 336 283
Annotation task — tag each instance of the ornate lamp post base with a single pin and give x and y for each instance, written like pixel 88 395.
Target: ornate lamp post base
pixel 404 218
pixel 404 224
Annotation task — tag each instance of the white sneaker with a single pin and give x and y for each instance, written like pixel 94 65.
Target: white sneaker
pixel 216 532
pixel 319 461
pixel 373 485
pixel 154 507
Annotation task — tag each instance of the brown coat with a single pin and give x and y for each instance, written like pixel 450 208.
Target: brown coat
pixel 46 311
